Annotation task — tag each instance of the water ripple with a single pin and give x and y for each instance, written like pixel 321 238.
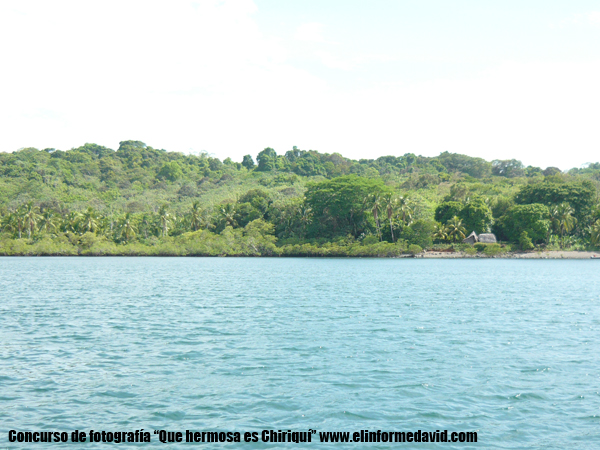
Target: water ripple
pixel 506 348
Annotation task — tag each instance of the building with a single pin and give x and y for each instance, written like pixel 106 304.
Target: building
pixel 485 238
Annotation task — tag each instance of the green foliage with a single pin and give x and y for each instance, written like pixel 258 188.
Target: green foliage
pixel 534 219
pixel 500 205
pixel 475 167
pixel 370 240
pixel 509 168
pixel 476 216
pixel 248 162
pixel 267 160
pixel 492 250
pixel 420 233
pixel 469 251
pixel 479 246
pixel 414 249
pixel 455 229
pixel 170 171
pixel 525 242
pixel 447 210
pixel 340 206
pixel 141 200
pixel 581 196
pixel 594 234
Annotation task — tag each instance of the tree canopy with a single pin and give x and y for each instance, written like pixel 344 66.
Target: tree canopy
pixel 299 201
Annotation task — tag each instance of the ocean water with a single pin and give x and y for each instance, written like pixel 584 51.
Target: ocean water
pixel 509 349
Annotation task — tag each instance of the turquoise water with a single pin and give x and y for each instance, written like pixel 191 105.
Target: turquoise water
pixel 509 349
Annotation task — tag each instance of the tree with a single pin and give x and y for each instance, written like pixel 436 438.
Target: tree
pixel 127 228
pixel 534 219
pixel 88 221
pixel 267 160
pixel 525 241
pixel 228 213
pixel 70 222
pixel 375 204
pixel 338 205
pixel 305 217
pixel 420 233
pixel 508 168
pixel 476 216
pixel 456 230
pixel 248 162
pixel 390 203
pixel 170 171
pixel 594 231
pixel 447 210
pixel 440 232
pixel 31 216
pixel 48 221
pixel 476 167
pixel 562 218
pixel 15 221
pixel 146 224
pixel 581 196
pixel 293 155
pixel 549 171
pixel 206 218
pixel 165 219
pixel 405 210
pixel 195 216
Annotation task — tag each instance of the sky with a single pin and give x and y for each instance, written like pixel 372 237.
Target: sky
pixel 497 80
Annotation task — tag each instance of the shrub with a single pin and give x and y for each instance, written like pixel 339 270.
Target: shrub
pixel 525 242
pixel 492 249
pixel 413 249
pixel 470 251
pixel 370 240
pixel 419 233
pixel 479 246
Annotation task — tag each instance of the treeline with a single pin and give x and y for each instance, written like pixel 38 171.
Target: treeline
pixel 140 200
pixel 135 162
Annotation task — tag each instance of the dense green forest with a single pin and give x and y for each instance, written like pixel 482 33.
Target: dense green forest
pixel 93 200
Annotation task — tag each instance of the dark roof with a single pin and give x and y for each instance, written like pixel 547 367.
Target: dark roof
pixel 470 239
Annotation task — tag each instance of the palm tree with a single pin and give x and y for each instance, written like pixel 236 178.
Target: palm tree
pixel 375 203
pixel 145 225
pixel 440 233
pixel 305 217
pixel 391 202
pixel 15 221
pixel 70 222
pixel 405 210
pixel 206 219
pixel 228 214
pixel 88 221
pixel 31 216
pixel 6 222
pixel 562 217
pixel 195 216
pixel 47 223
pixel 456 229
pixel 127 227
pixel 289 225
pixel 595 233
pixel 165 219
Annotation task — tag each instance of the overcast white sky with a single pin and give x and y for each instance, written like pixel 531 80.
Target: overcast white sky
pixel 498 80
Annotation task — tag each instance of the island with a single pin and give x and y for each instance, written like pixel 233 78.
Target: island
pixel 138 200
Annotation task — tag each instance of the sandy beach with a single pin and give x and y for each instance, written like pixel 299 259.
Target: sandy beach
pixel 559 254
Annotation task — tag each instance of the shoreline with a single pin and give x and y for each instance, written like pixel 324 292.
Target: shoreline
pixel 552 254
pixel 431 254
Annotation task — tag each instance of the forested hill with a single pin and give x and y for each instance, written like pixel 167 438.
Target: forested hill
pixel 93 197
